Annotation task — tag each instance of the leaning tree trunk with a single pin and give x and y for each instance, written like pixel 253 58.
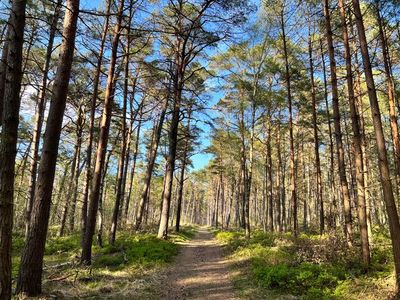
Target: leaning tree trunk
pixel 319 189
pixel 8 139
pixel 102 144
pixel 170 167
pixel 358 155
pixel 348 228
pixel 393 218
pixel 30 274
pixel 96 82
pixel 150 164
pixel 293 183
pixel 390 93
pixel 182 177
pixel 39 116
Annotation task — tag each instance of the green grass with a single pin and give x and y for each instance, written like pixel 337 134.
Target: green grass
pixel 309 267
pixel 125 269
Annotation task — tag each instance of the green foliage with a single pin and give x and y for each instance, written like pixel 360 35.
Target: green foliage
pixel 309 267
pixel 65 244
pixel 145 250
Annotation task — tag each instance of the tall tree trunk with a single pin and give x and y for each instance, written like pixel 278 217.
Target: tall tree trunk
pixel 150 164
pixel 79 130
pixel 102 144
pixel 331 171
pixel 348 228
pixel 3 70
pixel 358 155
pixel 10 103
pixel 30 274
pixel 96 82
pixel 121 168
pixel 319 190
pixel 182 177
pixel 293 184
pixel 170 166
pixel 39 116
pixel 390 92
pixel 393 218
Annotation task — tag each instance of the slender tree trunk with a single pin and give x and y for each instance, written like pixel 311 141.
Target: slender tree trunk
pixel 331 171
pixel 102 144
pixel 30 274
pixel 348 228
pixel 133 169
pixel 393 218
pixel 173 139
pixel 80 124
pixel 358 155
pixel 150 164
pixel 390 92
pixel 39 117
pixel 3 70
pixel 96 82
pixel 293 184
pixel 10 103
pixel 319 189
pixel 182 177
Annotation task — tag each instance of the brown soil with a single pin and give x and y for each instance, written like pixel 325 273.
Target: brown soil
pixel 200 271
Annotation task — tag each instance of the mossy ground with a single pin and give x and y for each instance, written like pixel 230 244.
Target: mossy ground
pixel 279 266
pixel 126 270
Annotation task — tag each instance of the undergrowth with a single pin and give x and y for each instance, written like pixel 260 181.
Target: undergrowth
pixel 124 270
pixel 308 267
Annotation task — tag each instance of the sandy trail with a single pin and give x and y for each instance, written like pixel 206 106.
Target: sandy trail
pixel 200 271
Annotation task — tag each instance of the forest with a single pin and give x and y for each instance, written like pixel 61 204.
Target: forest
pixel 199 149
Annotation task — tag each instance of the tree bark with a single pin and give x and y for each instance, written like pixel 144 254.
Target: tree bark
pixel 393 218
pixel 39 116
pixel 348 228
pixel 96 82
pixel 102 144
pixel 30 275
pixel 358 155
pixel 10 103
pixel 319 188
pixel 293 183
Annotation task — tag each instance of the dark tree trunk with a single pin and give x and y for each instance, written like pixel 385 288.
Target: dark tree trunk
pixel 293 183
pixel 393 218
pixel 358 155
pixel 86 257
pixel 39 117
pixel 348 228
pixel 10 103
pixel 95 94
pixel 30 274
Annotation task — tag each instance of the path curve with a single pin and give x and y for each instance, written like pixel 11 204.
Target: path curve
pixel 200 271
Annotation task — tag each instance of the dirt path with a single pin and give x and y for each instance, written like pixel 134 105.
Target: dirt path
pixel 200 271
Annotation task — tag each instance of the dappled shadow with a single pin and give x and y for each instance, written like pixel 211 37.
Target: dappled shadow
pixel 200 271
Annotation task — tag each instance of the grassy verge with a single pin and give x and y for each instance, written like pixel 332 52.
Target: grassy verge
pixel 279 266
pixel 126 270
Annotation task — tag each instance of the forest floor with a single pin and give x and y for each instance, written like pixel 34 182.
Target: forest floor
pixel 200 271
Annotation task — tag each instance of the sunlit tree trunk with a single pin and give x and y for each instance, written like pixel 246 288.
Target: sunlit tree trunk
pixel 358 155
pixel 102 143
pixel 293 183
pixel 30 274
pixel 95 94
pixel 393 218
pixel 39 116
pixel 348 228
